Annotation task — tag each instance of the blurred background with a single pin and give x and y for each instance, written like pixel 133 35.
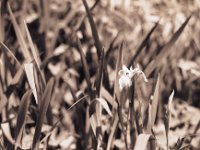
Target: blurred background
pixel 146 29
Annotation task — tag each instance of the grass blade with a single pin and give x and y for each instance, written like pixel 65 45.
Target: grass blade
pixel 42 112
pixel 98 44
pixel 94 29
pixel 155 101
pixel 143 44
pixel 111 46
pixel 111 135
pixel 23 108
pixel 3 4
pixel 99 74
pixel 118 67
pixel 28 67
pixel 94 5
pixel 105 105
pixel 79 100
pixel 108 97
pixel 6 131
pixel 92 108
pixel 85 66
pixel 51 131
pixel 19 35
pixel 6 49
pixel 166 50
pixel 167 117
pixel 3 101
pixel 35 53
pixel 32 47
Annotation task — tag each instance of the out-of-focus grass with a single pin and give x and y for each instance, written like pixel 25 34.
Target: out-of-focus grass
pixel 68 54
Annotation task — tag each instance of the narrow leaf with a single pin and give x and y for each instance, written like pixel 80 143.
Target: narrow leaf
pixel 7 50
pixel 23 108
pixel 28 67
pixel 99 74
pixel 105 105
pixel 111 135
pixel 3 5
pixel 3 100
pixel 105 94
pixel 167 118
pixel 19 35
pixel 79 100
pixel 143 44
pixel 6 131
pixel 94 30
pixel 33 49
pixel 111 46
pixel 154 107
pixel 93 123
pixel 85 66
pixel 42 112
pixel 35 53
pixel 118 66
pixel 166 50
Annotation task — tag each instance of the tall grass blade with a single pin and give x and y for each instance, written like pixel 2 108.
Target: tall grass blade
pixel 118 67
pixel 51 131
pixel 138 120
pixel 105 105
pixel 155 101
pixel 94 122
pixel 105 94
pixel 6 131
pixel 94 29
pixel 131 96
pixel 19 35
pixel 166 50
pixel 111 46
pixel 94 5
pixel 92 108
pixel 33 49
pixel 79 100
pixel 111 135
pixel 8 67
pixel 46 98
pixel 167 118
pixel 7 50
pixel 3 5
pixel 28 67
pixel 3 100
pixel 94 113
pixel 85 66
pixel 98 44
pixel 99 74
pixel 142 45
pixel 23 108
pixel 35 53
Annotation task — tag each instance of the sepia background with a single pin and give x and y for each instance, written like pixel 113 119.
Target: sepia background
pixel 60 69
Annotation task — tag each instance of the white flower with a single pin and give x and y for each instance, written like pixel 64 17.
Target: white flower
pixel 124 81
pixel 126 75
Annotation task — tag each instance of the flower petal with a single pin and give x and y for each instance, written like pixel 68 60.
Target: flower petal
pixel 125 81
pixel 125 68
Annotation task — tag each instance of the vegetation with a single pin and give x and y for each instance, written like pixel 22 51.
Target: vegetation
pixel 99 74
